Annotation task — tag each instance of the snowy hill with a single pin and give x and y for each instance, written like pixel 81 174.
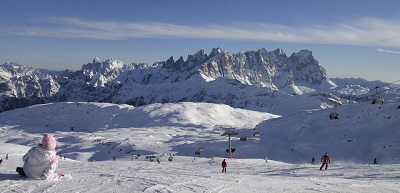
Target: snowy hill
pixel 362 132
pixel 154 129
pixel 86 132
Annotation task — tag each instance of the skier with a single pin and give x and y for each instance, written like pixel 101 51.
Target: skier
pixel 7 156
pixel 375 161
pixel 41 162
pixel 1 161
pixel 325 160
pixel 223 164
pixel 312 161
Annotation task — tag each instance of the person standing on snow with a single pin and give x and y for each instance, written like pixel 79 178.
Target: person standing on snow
pixel 223 164
pixel 41 162
pixel 325 160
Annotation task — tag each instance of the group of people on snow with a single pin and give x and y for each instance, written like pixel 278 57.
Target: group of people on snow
pixel 324 159
pixel 41 162
pixel 1 160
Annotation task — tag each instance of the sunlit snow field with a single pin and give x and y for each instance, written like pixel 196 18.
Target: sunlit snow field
pixel 90 134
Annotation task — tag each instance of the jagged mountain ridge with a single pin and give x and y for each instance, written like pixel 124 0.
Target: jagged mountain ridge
pixel 250 80
pixel 259 68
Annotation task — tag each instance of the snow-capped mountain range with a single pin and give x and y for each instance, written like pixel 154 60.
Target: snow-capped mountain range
pixel 250 80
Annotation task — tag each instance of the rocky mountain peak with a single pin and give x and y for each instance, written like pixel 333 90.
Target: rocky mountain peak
pixel 96 60
pixel 306 68
pixel 18 69
pixel 215 51
pixel 279 52
pixel 102 67
pixel 304 58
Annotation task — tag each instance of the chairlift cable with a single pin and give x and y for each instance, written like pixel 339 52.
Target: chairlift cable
pixel 391 87
pixel 393 82
pixel 387 84
pixel 287 117
pixel 377 99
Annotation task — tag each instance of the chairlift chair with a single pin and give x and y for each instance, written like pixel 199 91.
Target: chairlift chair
pixel 377 100
pixel 257 134
pixel 232 149
pixel 225 133
pixel 243 138
pixel 334 115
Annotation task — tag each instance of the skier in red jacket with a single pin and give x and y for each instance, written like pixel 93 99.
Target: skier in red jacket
pixel 325 160
pixel 223 164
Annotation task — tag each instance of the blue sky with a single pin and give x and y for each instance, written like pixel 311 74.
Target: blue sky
pixel 349 38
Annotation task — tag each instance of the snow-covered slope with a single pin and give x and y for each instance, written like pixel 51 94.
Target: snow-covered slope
pixel 90 134
pixel 188 174
pixel 362 132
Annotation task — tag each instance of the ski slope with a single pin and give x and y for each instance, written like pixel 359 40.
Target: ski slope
pixel 189 174
pixel 90 134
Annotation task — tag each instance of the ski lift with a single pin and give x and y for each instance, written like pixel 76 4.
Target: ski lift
pixel 232 150
pixel 334 115
pixel 229 132
pixel 377 98
pixel 243 138
pixel 201 147
pixel 151 157
pixel 225 133
pixel 257 134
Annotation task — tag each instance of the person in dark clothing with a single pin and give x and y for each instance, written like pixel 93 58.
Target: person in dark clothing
pixel 375 161
pixel 325 161
pixel 20 171
pixel 223 164
pixel 312 161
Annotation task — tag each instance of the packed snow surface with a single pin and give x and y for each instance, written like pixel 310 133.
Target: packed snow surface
pixel 89 135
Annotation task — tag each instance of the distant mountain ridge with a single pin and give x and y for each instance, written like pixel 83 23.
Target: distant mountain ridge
pixel 250 80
